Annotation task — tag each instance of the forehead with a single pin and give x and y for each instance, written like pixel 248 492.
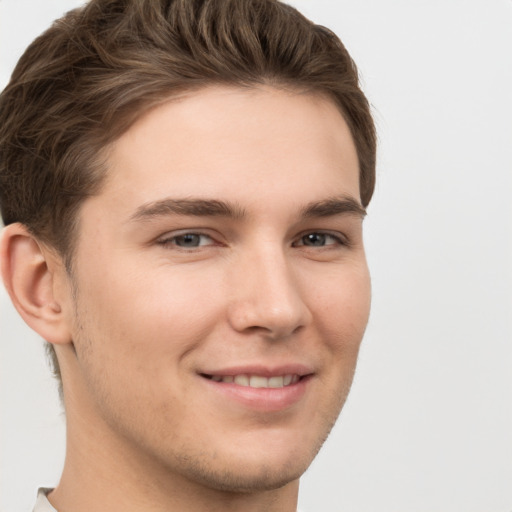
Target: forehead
pixel 225 141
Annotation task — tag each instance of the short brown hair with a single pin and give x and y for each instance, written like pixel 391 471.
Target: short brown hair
pixel 84 81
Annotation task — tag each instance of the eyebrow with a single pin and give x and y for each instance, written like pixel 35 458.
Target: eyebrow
pixel 216 208
pixel 334 206
pixel 190 207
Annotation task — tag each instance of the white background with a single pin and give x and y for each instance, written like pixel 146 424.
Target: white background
pixel 428 426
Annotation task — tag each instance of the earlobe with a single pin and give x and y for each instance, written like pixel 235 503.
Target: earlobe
pixel 29 272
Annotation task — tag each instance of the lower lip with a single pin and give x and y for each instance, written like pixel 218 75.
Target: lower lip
pixel 262 399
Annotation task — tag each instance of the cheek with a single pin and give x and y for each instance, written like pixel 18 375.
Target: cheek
pixel 342 307
pixel 342 323
pixel 131 337
pixel 149 318
pixel 181 307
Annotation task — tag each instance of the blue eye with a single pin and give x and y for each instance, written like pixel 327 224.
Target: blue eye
pixel 318 239
pixel 188 240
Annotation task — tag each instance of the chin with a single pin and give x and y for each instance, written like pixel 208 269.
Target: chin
pixel 247 479
pixel 253 466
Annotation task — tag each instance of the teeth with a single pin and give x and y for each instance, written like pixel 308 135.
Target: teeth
pixel 242 380
pixel 276 382
pixel 258 381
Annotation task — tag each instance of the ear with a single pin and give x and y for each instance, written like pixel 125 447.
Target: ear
pixel 36 280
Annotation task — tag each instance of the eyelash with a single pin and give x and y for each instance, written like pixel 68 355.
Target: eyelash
pixel 339 240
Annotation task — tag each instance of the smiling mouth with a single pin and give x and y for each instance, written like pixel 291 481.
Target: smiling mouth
pixel 256 381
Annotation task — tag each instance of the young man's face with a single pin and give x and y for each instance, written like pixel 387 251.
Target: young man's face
pixel 220 289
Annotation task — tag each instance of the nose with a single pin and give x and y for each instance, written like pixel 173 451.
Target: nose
pixel 266 298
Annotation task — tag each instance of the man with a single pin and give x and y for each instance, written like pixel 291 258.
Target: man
pixel 183 186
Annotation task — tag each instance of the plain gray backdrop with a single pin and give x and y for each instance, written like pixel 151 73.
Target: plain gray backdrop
pixel 428 425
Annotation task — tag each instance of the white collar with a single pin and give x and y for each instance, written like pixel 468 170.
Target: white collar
pixel 42 503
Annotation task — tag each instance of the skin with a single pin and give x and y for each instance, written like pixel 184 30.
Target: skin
pixel 143 316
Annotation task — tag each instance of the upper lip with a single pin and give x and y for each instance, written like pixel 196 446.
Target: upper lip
pixel 262 370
